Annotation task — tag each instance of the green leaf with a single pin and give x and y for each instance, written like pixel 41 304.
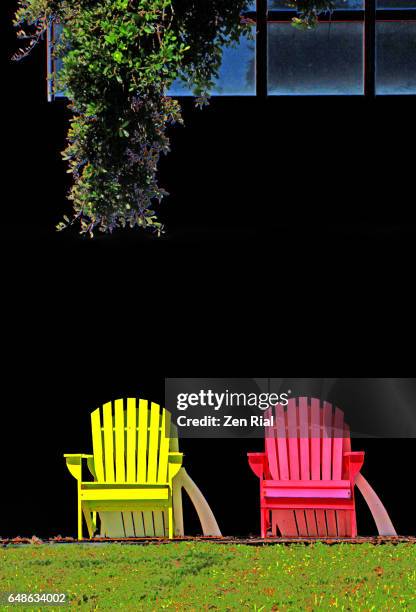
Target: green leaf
pixel 118 56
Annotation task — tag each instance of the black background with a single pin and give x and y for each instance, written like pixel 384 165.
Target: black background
pixel 51 415
pixel 289 249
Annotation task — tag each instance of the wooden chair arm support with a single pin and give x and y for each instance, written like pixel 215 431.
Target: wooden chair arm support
pixel 382 520
pixel 257 462
pixel 207 519
pixel 175 457
pixel 174 464
pixel 74 464
pixel 354 461
pixel 355 455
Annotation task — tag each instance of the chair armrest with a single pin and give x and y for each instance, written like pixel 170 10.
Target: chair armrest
pixel 74 464
pixel 258 463
pixel 175 456
pixel 354 463
pixel 174 464
pixel 80 455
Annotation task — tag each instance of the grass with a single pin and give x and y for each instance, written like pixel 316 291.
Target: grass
pixel 207 576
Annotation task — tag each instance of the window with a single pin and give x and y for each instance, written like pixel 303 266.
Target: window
pixel 339 4
pixel 365 47
pixel 327 60
pixel 396 47
pixel 396 57
pixel 237 75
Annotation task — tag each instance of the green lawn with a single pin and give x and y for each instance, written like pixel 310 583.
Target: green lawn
pixel 207 576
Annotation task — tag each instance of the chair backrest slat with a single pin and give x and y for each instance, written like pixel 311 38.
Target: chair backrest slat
pixel 131 439
pixel 282 442
pixel 270 444
pixel 142 442
pixel 327 441
pixel 97 445
pixel 119 439
pixel 173 433
pixel 272 454
pixel 108 443
pixel 152 459
pixel 346 446
pixel 338 444
pixel 315 440
pixel 293 440
pixel 304 437
pixel 162 473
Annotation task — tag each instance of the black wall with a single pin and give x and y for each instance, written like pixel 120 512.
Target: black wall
pixel 289 236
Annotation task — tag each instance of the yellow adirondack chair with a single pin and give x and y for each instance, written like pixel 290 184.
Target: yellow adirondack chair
pixel 135 465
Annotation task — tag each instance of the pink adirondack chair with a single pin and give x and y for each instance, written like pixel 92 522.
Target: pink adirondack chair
pixel 308 474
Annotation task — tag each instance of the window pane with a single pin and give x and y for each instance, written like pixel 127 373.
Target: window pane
pixel 396 57
pixel 325 61
pixel 396 4
pixel 283 5
pixel 236 75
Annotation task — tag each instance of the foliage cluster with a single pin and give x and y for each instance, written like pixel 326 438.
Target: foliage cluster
pixel 119 58
pixel 309 11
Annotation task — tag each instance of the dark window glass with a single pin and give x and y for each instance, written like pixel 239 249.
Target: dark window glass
pixel 396 57
pixel 284 5
pixel 325 61
pixel 396 4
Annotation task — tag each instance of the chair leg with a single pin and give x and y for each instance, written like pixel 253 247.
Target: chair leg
pixel 353 524
pixel 79 519
pixel 263 522
pixel 177 508
pixel 89 521
pixel 170 521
